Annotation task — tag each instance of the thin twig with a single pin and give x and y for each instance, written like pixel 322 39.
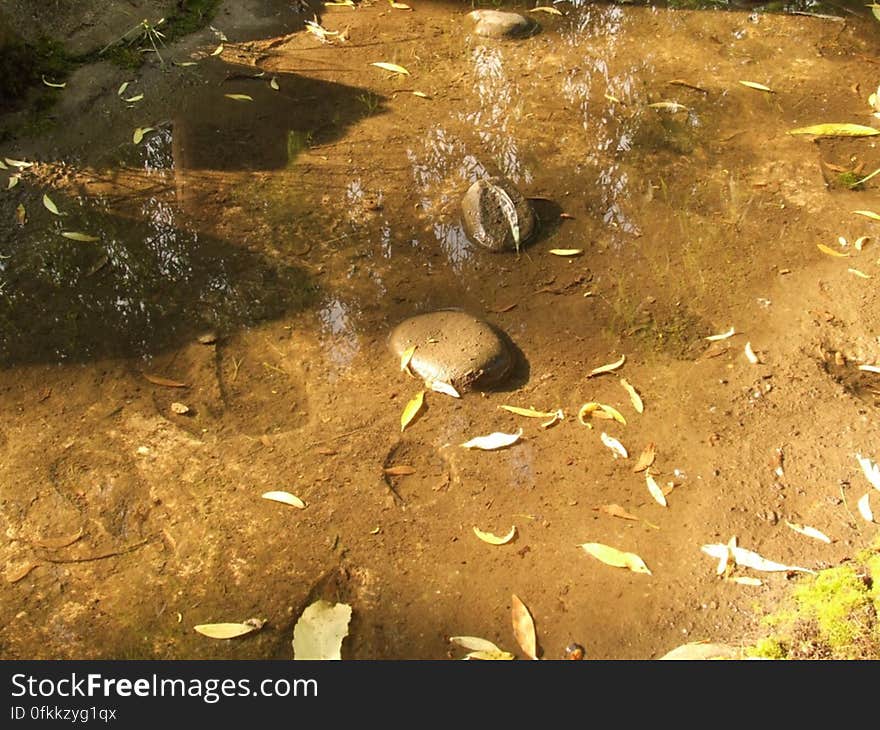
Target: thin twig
pixel 102 556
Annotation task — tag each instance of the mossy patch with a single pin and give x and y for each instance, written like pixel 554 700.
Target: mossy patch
pixel 834 614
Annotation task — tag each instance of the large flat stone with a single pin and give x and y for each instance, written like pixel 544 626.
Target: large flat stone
pixel 454 347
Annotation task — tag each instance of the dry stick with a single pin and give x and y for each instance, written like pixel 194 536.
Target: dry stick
pixel 102 556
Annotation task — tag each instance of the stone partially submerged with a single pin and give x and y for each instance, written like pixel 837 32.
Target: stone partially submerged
pixel 501 24
pixel 497 216
pixel 454 347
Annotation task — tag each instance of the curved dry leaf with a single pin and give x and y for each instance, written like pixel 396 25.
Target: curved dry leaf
pixel 566 251
pixel 634 396
pixel 54 543
pixel 523 627
pixel 723 336
pixel 870 368
pixel 757 86
pixel 494 539
pixel 13 181
pixel 133 99
pixel 558 416
pixel 607 368
pixel 529 412
pixel 750 354
pixel 474 643
pixel 77 236
pixel 440 387
pixel 138 134
pixel 613 412
pixel 49 205
pixel 224 630
pixel 615 558
pixel 420 94
pixel 831 252
pixel 587 409
pixel 750 559
pixel 273 83
pixel 670 106
pixel 496 440
pixel 239 97
pixel 860 274
pixel 699 651
pixel 615 510
pixel 646 458
pixel 21 214
pixel 393 67
pixel 54 86
pixel 491 655
pixel 870 470
pixel 545 9
pixel 159 380
pixel 399 471
pixel 284 498
pixel 218 50
pixel 122 87
pixel 864 505
pixel 655 490
pixel 320 630
pixel 808 531
pixel 868 214
pixel 616 447
pixel 836 130
pixel 746 580
pixel 20 164
pixel 399 6
pixel 412 408
pixel 406 357
pixel 13 575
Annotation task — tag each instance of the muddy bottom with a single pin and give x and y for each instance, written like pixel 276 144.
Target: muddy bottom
pixel 287 203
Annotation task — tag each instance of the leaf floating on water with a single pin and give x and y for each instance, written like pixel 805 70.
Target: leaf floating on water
pixel 225 631
pixel 139 133
pixel 723 336
pixel 870 470
pixel 747 580
pixel 860 274
pixel 830 251
pixel 615 445
pixel 285 498
pixel 218 50
pixel 440 387
pixel 135 98
pixel 757 86
pixel 671 106
pixel 49 205
pixel 545 9
pixel 529 412
pixel 54 86
pixel 646 458
pixel 655 490
pixel 393 67
pixel 159 380
pixel 566 251
pixel 607 368
pixel 615 558
pixel 750 354
pixel 76 236
pixel 837 130
pixel 320 630
pixel 494 539
pixel 808 531
pixel 122 87
pixel 523 627
pixel 239 97
pixel 496 440
pixel 273 83
pixel 633 396
pixel 864 505
pixel 412 408
pixel 868 214
pixel 615 510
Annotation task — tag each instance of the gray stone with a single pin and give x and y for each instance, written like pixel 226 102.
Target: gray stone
pixel 500 24
pixel 484 220
pixel 453 347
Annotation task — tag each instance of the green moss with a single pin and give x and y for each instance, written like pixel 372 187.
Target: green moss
pixel 837 600
pixel 768 648
pixel 848 179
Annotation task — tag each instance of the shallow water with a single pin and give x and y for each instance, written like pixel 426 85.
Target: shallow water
pixel 304 224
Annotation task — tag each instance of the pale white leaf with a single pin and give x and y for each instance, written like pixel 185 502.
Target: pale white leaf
pixel 808 531
pixel 474 643
pixel 723 336
pixel 616 447
pixel 655 490
pixel 864 505
pixel 870 469
pixel 445 388
pixel 496 440
pixel 225 630
pixel 319 632
pixel 284 498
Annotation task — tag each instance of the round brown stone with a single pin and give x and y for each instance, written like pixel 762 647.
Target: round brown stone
pixel 501 24
pixel 484 220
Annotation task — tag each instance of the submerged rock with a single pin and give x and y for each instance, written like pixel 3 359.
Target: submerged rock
pixel 454 347
pixel 500 24
pixel 487 217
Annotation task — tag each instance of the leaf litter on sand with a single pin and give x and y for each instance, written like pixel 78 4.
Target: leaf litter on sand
pixel 646 458
pixel 493 539
pixel 496 440
pixel 749 559
pixel 523 627
pixel 836 130
pixel 481 648
pixel 870 470
pixel 634 396
pixel 864 505
pixel 411 410
pixel 229 630
pixel 616 447
pixel 284 498
pixel 607 368
pixel 320 630
pixel 654 489
pixel 392 67
pixel 808 531
pixel 615 558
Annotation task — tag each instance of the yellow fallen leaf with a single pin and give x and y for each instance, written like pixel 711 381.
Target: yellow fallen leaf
pixel 616 447
pixel 49 205
pixel 491 655
pixel 495 440
pixel 607 368
pixel 138 134
pixel 494 539
pixel 76 236
pixel 440 387
pixel 859 243
pixel 808 531
pixel 868 214
pixel 723 336
pixel 545 9
pixel 239 97
pixel 13 181
pixel 474 643
pixel 757 86
pixel 135 98
pixel 860 274
pixel 21 164
pixel 837 130
pixel 273 83
pixel 54 86
pixel 655 490
pixel 747 580
pixel 566 251
pixel 870 368
pixel 420 94
pixel 529 412
pixel 616 558
pixel 750 354
pixel 406 357
pixel 393 67
pixel 399 6
pixel 864 505
pixel 558 416
pixel 412 408
pixel 633 396
pixel 218 50
pixel 646 458
pixel 523 627
pixel 55 543
pixel 122 87
pixel 672 106
pixel 224 631
pixel 285 498
pixel 830 251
